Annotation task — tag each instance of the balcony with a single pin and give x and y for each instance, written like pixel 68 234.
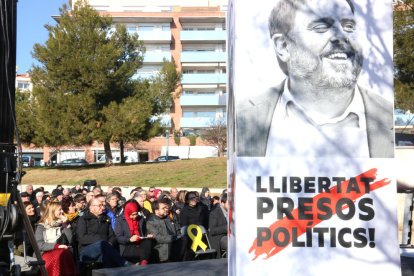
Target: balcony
pixel 204 79
pixel 203 100
pixel 154 36
pixel 196 122
pixel 203 56
pixel 156 57
pixel 203 36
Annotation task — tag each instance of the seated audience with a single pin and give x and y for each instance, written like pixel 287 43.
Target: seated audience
pixel 121 199
pixel 205 197
pixel 130 231
pixel 21 233
pixel 140 196
pixel 89 196
pixel 66 192
pixel 218 226
pixel 174 194
pixel 215 202
pixel 72 215
pixel 97 190
pixel 165 233
pixel 53 242
pixel 180 202
pixel 193 212
pixel 25 197
pixel 80 203
pixel 76 190
pixel 57 195
pixel 38 201
pixel 95 237
pixel 112 208
pixel 150 196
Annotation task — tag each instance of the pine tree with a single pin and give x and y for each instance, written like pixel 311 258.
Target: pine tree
pixel 84 87
pixel 404 55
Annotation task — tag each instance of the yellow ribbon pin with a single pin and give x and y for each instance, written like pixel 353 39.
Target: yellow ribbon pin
pixel 197 242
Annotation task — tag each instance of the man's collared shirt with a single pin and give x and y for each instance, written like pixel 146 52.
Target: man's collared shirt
pixel 294 133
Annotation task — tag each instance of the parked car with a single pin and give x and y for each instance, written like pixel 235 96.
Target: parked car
pixel 73 162
pixel 28 161
pixel 130 157
pixel 163 158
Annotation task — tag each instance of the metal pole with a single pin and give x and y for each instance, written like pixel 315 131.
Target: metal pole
pixel 168 143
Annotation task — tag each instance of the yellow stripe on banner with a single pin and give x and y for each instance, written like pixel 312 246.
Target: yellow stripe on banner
pixel 4 198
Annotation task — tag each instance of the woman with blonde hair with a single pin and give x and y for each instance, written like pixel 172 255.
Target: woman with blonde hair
pixel 52 239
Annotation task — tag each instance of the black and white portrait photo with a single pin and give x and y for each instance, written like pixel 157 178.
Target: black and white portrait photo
pixel 322 84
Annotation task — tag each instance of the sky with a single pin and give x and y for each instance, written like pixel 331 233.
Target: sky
pixel 32 15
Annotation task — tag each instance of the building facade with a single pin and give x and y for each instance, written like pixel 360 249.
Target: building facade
pixel 193 35
pixel 24 82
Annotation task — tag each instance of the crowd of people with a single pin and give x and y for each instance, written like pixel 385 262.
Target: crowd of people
pixel 81 228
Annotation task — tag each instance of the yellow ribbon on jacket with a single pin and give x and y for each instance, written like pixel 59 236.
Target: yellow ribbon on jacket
pixel 197 242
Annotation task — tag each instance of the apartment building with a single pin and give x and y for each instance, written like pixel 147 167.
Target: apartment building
pixel 192 33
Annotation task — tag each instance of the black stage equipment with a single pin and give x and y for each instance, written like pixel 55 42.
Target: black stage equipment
pixel 11 205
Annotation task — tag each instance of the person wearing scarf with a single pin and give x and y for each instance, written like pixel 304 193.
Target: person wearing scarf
pixel 72 216
pixel 51 237
pixel 130 232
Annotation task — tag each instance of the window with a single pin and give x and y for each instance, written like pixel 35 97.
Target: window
pixel 23 85
pixel 199 114
pixel 145 28
pixel 192 92
pixel 199 27
pixel 131 29
pixel 205 72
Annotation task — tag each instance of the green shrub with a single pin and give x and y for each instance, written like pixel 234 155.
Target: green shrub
pixel 193 139
pixel 177 139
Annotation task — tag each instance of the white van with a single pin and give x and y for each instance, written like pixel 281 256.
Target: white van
pixel 130 157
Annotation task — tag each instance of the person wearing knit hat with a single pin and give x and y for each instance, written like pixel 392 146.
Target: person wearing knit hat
pixel 25 197
pixel 57 195
pixel 130 232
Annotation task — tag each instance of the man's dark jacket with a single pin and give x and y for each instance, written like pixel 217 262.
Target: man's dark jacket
pixel 165 233
pixel 194 215
pixel 91 229
pixel 218 228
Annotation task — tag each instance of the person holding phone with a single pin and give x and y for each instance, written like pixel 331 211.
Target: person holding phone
pixel 130 231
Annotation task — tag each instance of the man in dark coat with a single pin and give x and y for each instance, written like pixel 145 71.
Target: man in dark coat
pixel 193 211
pixel 164 231
pixel 218 222
pixel 96 237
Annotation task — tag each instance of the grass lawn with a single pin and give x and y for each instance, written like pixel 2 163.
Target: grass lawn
pixel 207 172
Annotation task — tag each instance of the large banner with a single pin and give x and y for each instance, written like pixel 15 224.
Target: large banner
pixel 311 138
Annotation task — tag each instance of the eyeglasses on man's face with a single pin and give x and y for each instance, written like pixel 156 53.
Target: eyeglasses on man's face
pixel 98 205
